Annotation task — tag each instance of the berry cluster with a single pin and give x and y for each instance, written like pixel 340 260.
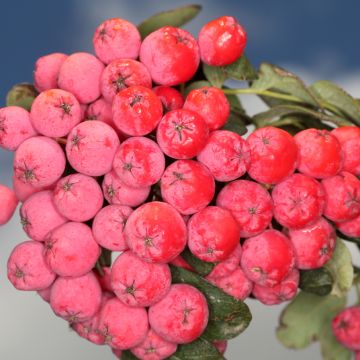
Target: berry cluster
pixel 104 160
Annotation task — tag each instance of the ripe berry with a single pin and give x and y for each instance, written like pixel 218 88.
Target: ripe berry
pixel 226 154
pixel 267 258
pixel 320 153
pixel 351 227
pixel 211 104
pixel 45 294
pixel 100 110
pixel 220 345
pixel 171 98
pixel 182 134
pixel 221 41
pixel 104 279
pixel 181 262
pixel 24 190
pixel 171 55
pixel 188 186
pixel 250 204
pixel 213 234
pixel 8 203
pixel 136 110
pixel 156 232
pixel 181 316
pixel 273 155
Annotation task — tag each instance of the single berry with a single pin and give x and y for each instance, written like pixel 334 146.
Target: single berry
pixel 45 294
pixel 350 228
pixel 181 262
pixel 104 279
pixel 221 345
pixel 171 98
pixel 24 190
pixel 8 201
pixel 100 110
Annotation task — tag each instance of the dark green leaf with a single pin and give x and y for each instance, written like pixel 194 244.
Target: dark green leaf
pixel 236 124
pixel 241 69
pixel 215 74
pixel 176 17
pixel 348 238
pixel 202 268
pixel 105 257
pixel 21 95
pixel 317 281
pixel 196 85
pixel 128 355
pixel 228 317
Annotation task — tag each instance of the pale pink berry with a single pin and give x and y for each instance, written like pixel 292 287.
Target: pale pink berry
pixel 24 190
pixel 8 201
pixel 27 268
pixel 100 110
pixel 117 352
pixel 45 294
pixel 105 279
pixel 221 345
pixel 70 249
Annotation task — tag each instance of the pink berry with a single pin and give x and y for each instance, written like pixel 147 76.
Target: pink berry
pixel 139 162
pixel 181 262
pixel 24 190
pixel 298 200
pixel 320 153
pixel 117 352
pixel 117 193
pixel 47 71
pixel 122 326
pixel 100 110
pixel 55 112
pixel 156 232
pixel 39 216
pixel 211 103
pixel 171 98
pixel 76 299
pixel 15 127
pixel 274 155
pixel 351 227
pixel 139 283
pixel 171 55
pixel 45 294
pixel 285 291
pixel 188 186
pixel 27 268
pixel 39 161
pixel 213 234
pixel 154 347
pixel 250 204
pixel 108 227
pixel 71 250
pixel 116 39
pixel 221 345
pixel 342 195
pixel 8 203
pixel 182 134
pixel 181 316
pixel 267 258
pixel 226 154
pixel 122 73
pixel 313 244
pixel 105 279
pixel 80 74
pixel 221 41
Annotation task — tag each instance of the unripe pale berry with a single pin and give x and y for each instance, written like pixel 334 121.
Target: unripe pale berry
pixel 8 201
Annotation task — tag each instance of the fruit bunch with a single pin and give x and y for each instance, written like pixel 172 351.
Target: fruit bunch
pixel 117 154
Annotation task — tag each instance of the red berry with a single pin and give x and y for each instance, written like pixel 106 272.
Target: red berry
pixel 170 98
pixel 351 227
pixel 181 262
pixel 220 345
pixel 8 201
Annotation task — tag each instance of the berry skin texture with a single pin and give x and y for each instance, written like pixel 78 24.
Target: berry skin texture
pixel 78 197
pixel 313 244
pixel 188 186
pixel 171 98
pixel 320 154
pixel 24 190
pixel 117 193
pixel 116 39
pixel 76 299
pixel 136 111
pixel 277 294
pixel 108 227
pixel 27 269
pixel 139 283
pixel 100 110
pixel 342 194
pixel 45 294
pixel 182 134
pixel 346 327
pixel 226 154
pixel 211 104
pixel 121 74
pixel 70 250
pixel 139 162
pixel 156 232
pixel 15 127
pixel 46 71
pixel 165 52
pixel 250 204
pixel 8 201
pixel 221 41
pixel 39 161
pixel 122 326
pixel 274 155
pixel 267 258
pixel 154 347
pixel 298 200
pixel 181 316
pixel 80 74
pixel 213 234
pixel 39 216
pixel 55 112
pixel 350 228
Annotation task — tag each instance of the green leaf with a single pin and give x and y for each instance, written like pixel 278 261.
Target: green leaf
pixel 355 240
pixel 196 85
pixel 21 95
pixel 215 74
pixel 241 69
pixel 202 268
pixel 336 96
pixel 228 317
pixel 176 17
pixel 128 355
pixel 341 268
pixel 236 124
pixel 317 281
